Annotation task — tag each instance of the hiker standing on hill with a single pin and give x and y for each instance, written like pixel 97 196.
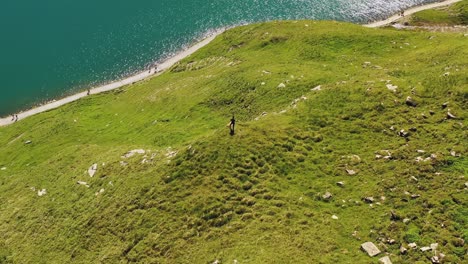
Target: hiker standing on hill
pixel 88 92
pixel 232 125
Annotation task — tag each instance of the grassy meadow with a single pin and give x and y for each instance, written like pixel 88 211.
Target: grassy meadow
pixel 199 195
pixel 456 14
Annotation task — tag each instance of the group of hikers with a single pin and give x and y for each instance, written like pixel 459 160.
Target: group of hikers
pixel 14 118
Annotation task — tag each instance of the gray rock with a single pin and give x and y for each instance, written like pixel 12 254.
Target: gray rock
pixel 435 260
pixel 42 192
pixel 28 142
pixel 434 246
pixel 350 172
pixel 403 133
pixel 370 249
pixel 412 245
pixel 131 153
pixel 281 85
pixel 415 196
pixel 317 88
pixel 83 183
pixel 444 105
pixel 451 116
pixel 327 196
pixel 368 199
pixel 410 102
pixel 341 184
pixel 335 217
pixel 406 220
pixel 403 250
pixel 385 260
pixel 92 170
pixel 424 249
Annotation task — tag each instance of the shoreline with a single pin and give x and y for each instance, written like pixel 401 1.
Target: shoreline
pixel 160 68
pixel 163 66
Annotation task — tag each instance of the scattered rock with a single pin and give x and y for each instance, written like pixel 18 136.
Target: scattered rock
pixel 385 260
pixel 410 102
pixel 414 179
pixel 391 87
pixel 391 241
pixel 92 170
pixel 370 248
pixel 451 116
pixel 435 260
pixel 335 217
pixel 434 246
pixel 350 172
pixel 403 133
pixel 368 199
pixel 415 196
pixel 327 196
pixel 412 245
pixel 420 151
pixel 28 142
pixel 406 220
pixel 42 192
pixel 131 153
pixel 83 183
pixel 444 105
pixel 403 250
pixel 317 88
pixel 281 85
pixel 341 184
pixel 100 192
pixel 3 168
pixel 431 112
pixel 171 153
pixel 424 249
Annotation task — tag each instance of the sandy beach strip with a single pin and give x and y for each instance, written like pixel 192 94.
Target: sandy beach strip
pixel 409 12
pixel 181 55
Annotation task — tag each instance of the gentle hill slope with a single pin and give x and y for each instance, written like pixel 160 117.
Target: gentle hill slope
pixel 198 194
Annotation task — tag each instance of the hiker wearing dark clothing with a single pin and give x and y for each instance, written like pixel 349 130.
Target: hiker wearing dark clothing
pixel 16 118
pixel 232 125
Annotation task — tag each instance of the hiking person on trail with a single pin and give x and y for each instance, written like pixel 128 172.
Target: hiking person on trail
pixel 231 125
pixel 16 118
pixel 12 117
pixel 89 91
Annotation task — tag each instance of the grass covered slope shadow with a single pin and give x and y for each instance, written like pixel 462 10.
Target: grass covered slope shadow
pixel 198 195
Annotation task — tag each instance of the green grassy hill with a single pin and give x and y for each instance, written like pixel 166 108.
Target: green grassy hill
pixel 456 14
pixel 199 195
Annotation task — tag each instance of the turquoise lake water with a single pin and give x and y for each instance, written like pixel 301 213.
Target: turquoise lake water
pixel 52 48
